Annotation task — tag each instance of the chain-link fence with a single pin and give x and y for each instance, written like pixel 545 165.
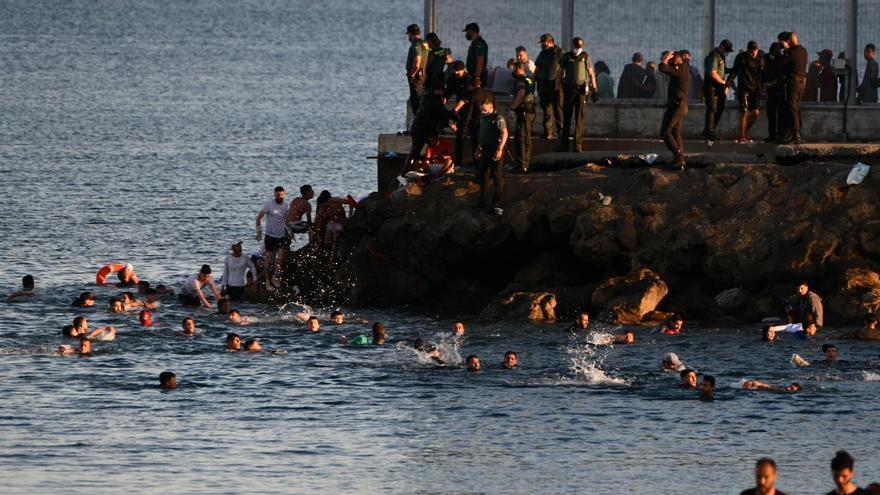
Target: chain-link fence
pixel 613 31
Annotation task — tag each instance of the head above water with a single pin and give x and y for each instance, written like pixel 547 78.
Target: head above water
pixel 312 324
pixel 188 325
pixel 337 317
pixel 458 328
pixel 473 363
pixel 167 380
pixel 27 282
pixel 582 321
pixel 671 361
pixel 252 345
pixel 116 305
pixel 510 360
pixel 688 378
pixel 234 316
pixel 146 318
pixel 233 342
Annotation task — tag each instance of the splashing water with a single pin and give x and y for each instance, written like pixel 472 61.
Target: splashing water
pixel 871 377
pixel 587 362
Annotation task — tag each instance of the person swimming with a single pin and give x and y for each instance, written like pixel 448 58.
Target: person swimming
pixel 187 328
pixel 252 345
pixel 688 379
pixel 223 306
pixel 27 289
pixel 473 363
pixel 80 329
pixel 707 388
pixel 581 322
pixel 830 351
pixel 146 318
pixel 429 349
pixel 233 342
pixel 458 328
pixel 671 362
pixel 510 361
pixel 378 333
pixel 673 325
pixel 758 385
pixel 234 316
pixel 337 317
pixel 313 325
pixel 129 302
pixel 116 305
pixel 85 300
pixel 167 380
pixel 84 349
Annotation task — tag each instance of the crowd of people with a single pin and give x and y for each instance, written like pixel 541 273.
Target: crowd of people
pixel 561 82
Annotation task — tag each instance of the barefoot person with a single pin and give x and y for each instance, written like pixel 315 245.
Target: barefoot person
pixel 275 211
pixel 299 208
pixel 192 294
pixel 329 220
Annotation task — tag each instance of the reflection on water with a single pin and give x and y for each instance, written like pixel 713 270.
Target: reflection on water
pixel 151 133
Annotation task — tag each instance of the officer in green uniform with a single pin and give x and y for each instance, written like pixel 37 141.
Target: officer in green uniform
pixel 524 107
pixel 490 153
pixel 549 87
pixel 477 56
pixel 416 61
pixel 578 80
pixel 438 58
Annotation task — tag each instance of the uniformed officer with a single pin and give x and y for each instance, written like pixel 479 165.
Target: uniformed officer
pixel 578 80
pixel 477 56
pixel 715 88
pixel 438 58
pixel 549 87
pixel 416 60
pixel 524 107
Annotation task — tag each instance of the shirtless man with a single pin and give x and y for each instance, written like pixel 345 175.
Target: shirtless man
pixel 116 305
pixel 329 220
pixel 510 361
pixel 85 348
pixel 581 323
pixel 758 385
pixel 688 379
pixel 233 342
pixel 192 295
pixel 312 324
pixel 458 328
pixel 300 207
pixel 167 380
pixel 473 363
pixel 80 329
pixel 252 345
pixel 27 289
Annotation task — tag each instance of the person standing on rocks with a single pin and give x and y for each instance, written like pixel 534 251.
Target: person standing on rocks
pixel 524 107
pixel 678 70
pixel 276 241
pixel 490 153
pixel 549 88
pixel 794 67
pixel 578 80
pixel 416 60
pixel 715 88
pixel 747 69
pixel 806 305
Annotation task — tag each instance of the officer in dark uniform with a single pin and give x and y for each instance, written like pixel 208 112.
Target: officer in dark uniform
pixel 715 87
pixel 432 119
pixel 676 67
pixel 794 67
pixel 773 83
pixel 468 111
pixel 438 57
pixel 416 60
pixel 477 56
pixel 578 80
pixel 524 107
pixel 549 85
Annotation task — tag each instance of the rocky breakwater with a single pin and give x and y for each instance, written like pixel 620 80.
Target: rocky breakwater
pixel 631 244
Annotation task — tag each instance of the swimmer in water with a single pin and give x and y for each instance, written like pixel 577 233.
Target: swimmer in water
pixel 126 276
pixel 765 479
pixel 116 306
pixel 473 363
pixel 187 328
pixel 167 380
pixel 84 349
pixel 151 298
pixel 688 379
pixel 510 361
pixel 313 325
pixel 842 470
pixel 758 385
pixel 378 337
pixel 337 317
pixel 80 329
pixel 430 350
pixel 869 331
pixel 626 338
pixel 223 306
pixel 581 322
pixel 27 289
pixel 235 317
pixel 671 362
pixel 85 300
pixel 233 342
pixel 129 302
pixel 252 345
pixel 830 351
pixel 707 388
pixel 672 326
pixel 768 333
pixel 458 328
pixel 146 318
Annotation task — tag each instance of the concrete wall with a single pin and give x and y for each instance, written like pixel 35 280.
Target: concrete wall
pixel 641 119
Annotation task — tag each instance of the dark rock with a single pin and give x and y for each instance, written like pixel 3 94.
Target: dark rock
pixel 628 298
pixel 534 306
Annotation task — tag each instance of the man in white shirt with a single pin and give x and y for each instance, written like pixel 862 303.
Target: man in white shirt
pixel 275 211
pixel 523 56
pixel 191 294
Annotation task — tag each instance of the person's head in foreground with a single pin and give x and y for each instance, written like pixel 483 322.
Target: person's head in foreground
pixel 252 345
pixel 473 363
pixel 167 380
pixel 233 342
pixel 312 324
pixel 510 360
pixel 688 378
pixel 337 317
pixel 707 387
pixel 842 470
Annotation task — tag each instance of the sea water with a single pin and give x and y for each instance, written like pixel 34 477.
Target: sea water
pixel 150 132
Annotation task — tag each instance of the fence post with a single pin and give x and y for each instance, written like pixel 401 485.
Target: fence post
pixel 852 40
pixel 708 28
pixel 567 27
pixel 430 17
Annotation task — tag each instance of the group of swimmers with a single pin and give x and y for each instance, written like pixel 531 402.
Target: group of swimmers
pixel 842 473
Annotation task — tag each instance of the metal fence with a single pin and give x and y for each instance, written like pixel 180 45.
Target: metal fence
pixel 613 31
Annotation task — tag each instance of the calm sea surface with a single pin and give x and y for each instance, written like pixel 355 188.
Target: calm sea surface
pixel 151 131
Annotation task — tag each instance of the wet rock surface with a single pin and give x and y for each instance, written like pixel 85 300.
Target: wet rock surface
pixel 757 228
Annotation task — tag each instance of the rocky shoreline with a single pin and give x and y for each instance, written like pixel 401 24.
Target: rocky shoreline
pixel 728 239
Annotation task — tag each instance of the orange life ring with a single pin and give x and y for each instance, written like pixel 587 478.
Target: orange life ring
pixel 101 277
